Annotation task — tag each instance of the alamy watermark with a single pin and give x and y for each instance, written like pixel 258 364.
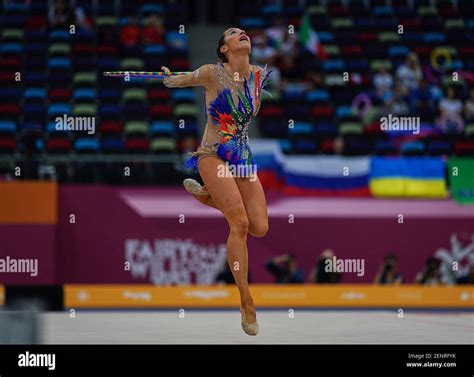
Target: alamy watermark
pixel 20 266
pixel 46 360
pixel 237 171
pixel 67 123
pixel 345 265
pixel 396 123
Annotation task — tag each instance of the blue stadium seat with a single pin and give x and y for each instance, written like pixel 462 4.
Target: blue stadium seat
pixel 191 128
pixel 285 145
pixel 7 126
pixel 176 40
pixel 154 50
pixel 113 145
pixel 456 64
pixel 398 51
pixel 305 146
pixel 36 109
pixel 151 8
pixel 434 37
pixel 8 94
pixel 325 37
pixel 109 110
pixel 384 147
pixel 412 148
pixel 59 35
pixel 272 9
pixel 31 78
pixel 344 111
pixel 470 24
pixel 11 48
pixel 109 63
pixel 87 145
pixel 293 94
pixel 317 95
pixel 301 128
pixel 382 11
pixel 439 147
pixel 357 65
pixel 325 130
pixel 252 22
pixel 185 95
pixel 31 127
pixel 84 94
pixel 59 109
pixel 59 62
pixel 35 93
pixel 36 48
pixel 37 36
pixel 109 95
pixel 39 144
pixel 333 65
pixel 164 127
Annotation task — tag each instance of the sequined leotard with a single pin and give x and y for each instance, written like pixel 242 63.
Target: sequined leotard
pixel 230 106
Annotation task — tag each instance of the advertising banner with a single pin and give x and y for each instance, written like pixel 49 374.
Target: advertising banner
pixel 164 237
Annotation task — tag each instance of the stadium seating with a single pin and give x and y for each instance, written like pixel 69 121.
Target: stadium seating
pixel 61 74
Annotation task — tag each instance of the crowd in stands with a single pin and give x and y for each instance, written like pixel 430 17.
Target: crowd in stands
pixel 423 72
pixel 285 270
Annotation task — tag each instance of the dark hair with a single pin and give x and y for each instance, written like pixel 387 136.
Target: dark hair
pixel 390 256
pixel 220 55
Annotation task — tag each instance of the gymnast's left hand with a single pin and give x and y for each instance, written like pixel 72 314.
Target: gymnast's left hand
pixel 168 81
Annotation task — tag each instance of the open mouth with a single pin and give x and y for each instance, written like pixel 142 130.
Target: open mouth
pixel 244 38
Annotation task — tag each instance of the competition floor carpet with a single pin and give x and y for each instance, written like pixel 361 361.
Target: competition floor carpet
pixel 276 327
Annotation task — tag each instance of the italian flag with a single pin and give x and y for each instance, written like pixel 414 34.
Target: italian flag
pixel 308 37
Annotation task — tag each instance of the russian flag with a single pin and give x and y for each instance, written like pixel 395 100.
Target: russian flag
pixel 269 159
pixel 326 175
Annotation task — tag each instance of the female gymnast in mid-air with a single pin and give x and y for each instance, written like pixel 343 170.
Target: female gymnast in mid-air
pixel 233 88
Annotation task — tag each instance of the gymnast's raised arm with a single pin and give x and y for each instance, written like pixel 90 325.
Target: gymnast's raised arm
pixel 200 77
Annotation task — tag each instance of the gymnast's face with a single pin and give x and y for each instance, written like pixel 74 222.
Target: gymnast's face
pixel 236 40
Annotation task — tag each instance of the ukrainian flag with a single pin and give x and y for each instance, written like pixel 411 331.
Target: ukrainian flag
pixel 420 177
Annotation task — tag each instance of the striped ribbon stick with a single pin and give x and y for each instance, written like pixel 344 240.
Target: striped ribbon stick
pixel 144 74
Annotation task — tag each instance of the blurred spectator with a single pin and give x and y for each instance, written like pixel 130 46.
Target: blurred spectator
pixel 421 101
pixel 281 39
pixel 387 273
pixel 81 19
pixel 468 278
pixel 469 107
pixel 383 82
pixel 153 31
pixel 397 105
pixel 130 34
pixel 422 95
pixel 410 73
pixel 319 274
pixel 291 76
pixel 60 14
pixel 285 269
pixel 225 276
pixel 430 274
pixel 287 47
pixel 450 104
pixel 277 32
pixel 262 53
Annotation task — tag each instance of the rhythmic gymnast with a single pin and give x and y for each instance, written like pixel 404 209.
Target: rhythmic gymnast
pixel 233 88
